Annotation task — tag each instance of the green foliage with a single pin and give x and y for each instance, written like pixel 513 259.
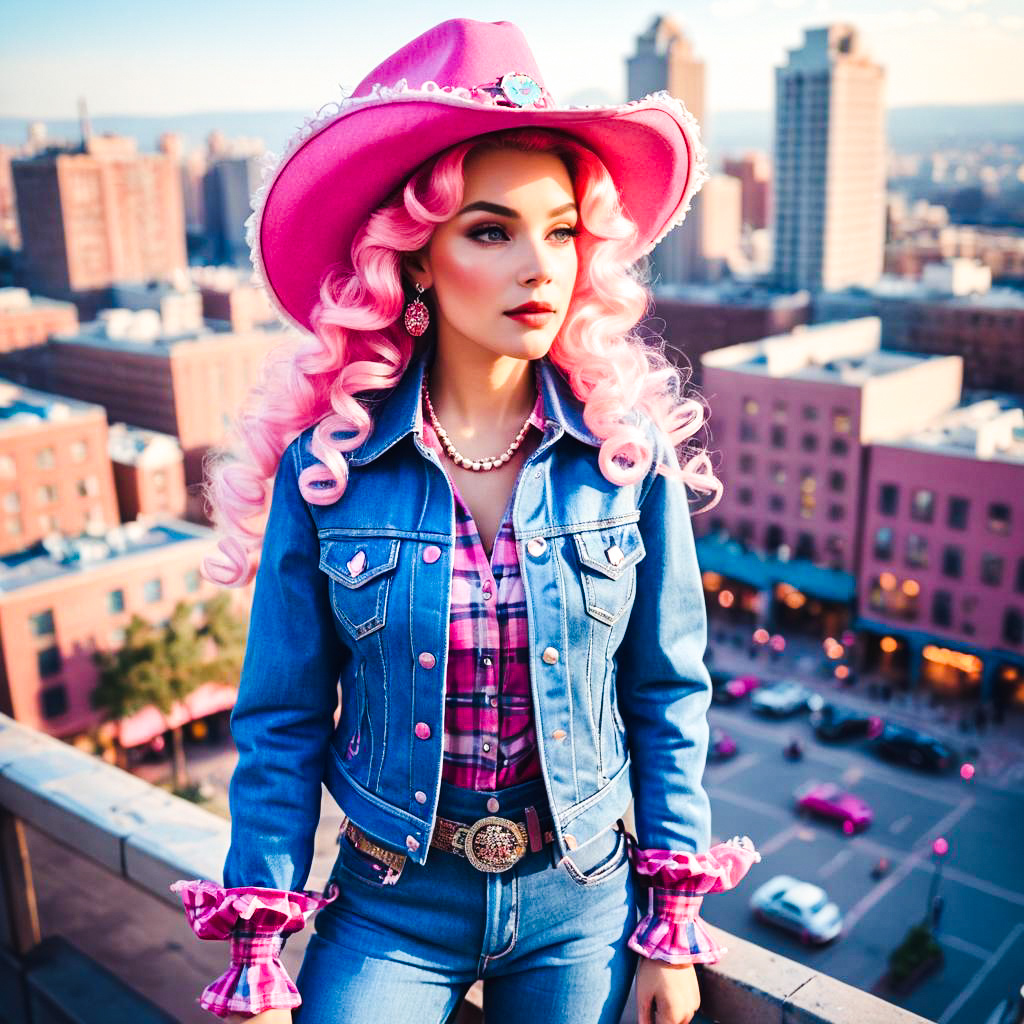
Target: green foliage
pixel 918 947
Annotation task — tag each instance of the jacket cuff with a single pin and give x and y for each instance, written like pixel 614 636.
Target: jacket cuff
pixel 255 920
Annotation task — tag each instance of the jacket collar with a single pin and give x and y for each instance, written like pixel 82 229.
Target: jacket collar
pixel 399 412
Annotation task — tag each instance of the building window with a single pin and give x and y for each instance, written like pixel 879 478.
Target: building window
pixel 748 432
pixel 956 513
pixel 883 543
pixel 942 608
pixel 999 518
pixel 8 468
pixel 777 503
pixel 13 525
pixel 746 463
pixel 774 536
pixel 12 502
pixel 805 547
pixel 115 639
pixel 191 581
pixel 1018 584
pixel 745 531
pixel 840 421
pixel 779 412
pixel 991 570
pixel 778 437
pixel 45 458
pixel 888 499
pixel 835 513
pixel 952 561
pixel 810 412
pixel 778 472
pixel 809 443
pixel 917 551
pixel 837 480
pixel 79 451
pixel 152 590
pixel 48 660
pixel 1013 626
pixel 922 505
pixel 839 446
pixel 42 624
pixel 750 407
pixel 745 496
pixel 46 494
pixel 115 601
pixel 54 701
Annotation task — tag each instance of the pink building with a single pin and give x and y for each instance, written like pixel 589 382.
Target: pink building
pixel 149 473
pixel 755 173
pixel 28 319
pixel 791 418
pixel 62 601
pixel 941 581
pixel 54 469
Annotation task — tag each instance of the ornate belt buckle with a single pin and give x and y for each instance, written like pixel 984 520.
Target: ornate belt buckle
pixel 490 844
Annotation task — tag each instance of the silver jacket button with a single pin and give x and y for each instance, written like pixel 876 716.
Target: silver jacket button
pixel 550 656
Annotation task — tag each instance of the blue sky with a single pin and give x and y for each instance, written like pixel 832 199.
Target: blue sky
pixel 161 57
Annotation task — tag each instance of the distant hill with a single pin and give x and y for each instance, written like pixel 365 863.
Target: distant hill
pixel 730 131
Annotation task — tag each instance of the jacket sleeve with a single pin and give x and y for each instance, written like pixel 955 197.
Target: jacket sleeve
pixel 282 723
pixel 664 691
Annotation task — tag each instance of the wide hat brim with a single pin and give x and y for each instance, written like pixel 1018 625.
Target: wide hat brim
pixel 352 156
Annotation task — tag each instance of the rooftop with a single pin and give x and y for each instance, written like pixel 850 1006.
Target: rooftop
pixel 731 293
pixel 20 300
pixel 23 407
pixel 57 556
pixel 135 446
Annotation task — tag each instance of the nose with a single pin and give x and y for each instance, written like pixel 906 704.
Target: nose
pixel 536 262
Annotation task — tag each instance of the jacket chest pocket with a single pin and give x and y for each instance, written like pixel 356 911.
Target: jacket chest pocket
pixel 361 571
pixel 607 557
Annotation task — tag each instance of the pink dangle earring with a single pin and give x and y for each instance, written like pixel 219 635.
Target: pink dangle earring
pixel 417 316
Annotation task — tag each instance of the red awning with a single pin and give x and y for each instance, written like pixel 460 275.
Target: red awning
pixel 149 722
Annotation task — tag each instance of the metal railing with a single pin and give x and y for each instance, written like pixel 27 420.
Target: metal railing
pixel 149 838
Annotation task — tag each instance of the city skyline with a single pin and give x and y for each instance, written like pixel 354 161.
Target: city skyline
pixel 934 51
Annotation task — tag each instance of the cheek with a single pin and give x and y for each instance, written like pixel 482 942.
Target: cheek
pixel 467 281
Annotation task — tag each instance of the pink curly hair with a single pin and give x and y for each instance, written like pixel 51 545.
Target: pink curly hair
pixel 359 344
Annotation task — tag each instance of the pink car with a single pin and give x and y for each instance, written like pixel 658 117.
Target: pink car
pixel 742 685
pixel 827 800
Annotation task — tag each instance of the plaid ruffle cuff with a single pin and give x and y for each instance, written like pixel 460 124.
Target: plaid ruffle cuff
pixel 255 920
pixel 672 930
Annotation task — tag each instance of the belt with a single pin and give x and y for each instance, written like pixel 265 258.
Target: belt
pixel 489 844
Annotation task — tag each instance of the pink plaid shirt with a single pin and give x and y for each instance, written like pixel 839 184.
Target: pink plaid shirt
pixel 490 743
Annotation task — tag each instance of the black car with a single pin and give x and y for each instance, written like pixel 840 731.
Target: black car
pixel 719 694
pixel 898 743
pixel 835 722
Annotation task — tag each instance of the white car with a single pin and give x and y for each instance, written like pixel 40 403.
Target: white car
pixel 799 907
pixel 781 699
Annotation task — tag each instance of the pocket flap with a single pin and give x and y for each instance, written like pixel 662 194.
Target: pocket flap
pixel 354 561
pixel 610 550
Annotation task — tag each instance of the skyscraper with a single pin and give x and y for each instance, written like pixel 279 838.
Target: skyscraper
pixel 829 164
pixel 664 60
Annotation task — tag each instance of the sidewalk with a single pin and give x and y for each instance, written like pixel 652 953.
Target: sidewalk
pixel 997 752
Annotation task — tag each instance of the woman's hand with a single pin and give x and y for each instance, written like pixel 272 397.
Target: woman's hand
pixel 671 988
pixel 266 1017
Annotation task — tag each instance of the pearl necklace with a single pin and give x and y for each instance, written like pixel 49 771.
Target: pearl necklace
pixel 476 465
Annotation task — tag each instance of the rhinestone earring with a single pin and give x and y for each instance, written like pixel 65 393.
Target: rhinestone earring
pixel 417 316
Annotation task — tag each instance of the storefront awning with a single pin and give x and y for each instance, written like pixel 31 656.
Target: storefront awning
pixel 144 725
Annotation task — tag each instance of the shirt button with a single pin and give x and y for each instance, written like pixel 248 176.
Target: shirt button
pixel 423 730
pixel 493 805
pixel 570 841
pixel 487 661
pixel 421 797
pixel 614 555
pixel 550 656
pixel 487 746
pixel 431 553
pixel 558 734
pixel 413 844
pixel 427 660
pixel 537 546
pixel 494 702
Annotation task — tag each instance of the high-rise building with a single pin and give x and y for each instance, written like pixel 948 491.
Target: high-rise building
pixel 227 186
pixel 721 224
pixel 829 164
pixel 755 173
pixel 98 214
pixel 665 60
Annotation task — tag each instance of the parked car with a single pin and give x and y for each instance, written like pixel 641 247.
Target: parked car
pixel 835 722
pixel 719 693
pixel 799 907
pixel 721 746
pixel 783 699
pixel 918 749
pixel 827 800
pixel 730 689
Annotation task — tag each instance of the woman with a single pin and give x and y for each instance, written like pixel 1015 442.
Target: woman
pixel 479 528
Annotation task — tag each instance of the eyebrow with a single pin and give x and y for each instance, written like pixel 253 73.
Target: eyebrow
pixel 505 211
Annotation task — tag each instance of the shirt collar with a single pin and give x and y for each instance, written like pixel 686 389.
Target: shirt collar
pixel 400 413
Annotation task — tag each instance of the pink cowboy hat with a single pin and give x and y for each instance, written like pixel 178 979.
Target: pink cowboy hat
pixel 458 80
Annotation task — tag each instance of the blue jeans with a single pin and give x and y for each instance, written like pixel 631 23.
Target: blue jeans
pixel 548 940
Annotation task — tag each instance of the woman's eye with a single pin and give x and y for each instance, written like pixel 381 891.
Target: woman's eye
pixel 567 233
pixel 488 230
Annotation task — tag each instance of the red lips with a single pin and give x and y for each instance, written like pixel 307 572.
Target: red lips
pixel 530 307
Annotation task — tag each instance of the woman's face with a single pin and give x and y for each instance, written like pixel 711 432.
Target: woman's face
pixel 512 242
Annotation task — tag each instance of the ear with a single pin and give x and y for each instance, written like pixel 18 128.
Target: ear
pixel 417 269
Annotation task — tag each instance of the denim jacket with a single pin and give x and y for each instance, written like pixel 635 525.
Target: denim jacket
pixel 356 594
